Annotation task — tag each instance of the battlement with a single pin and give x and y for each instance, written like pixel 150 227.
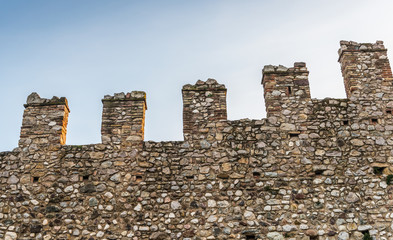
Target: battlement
pixel 350 46
pixel 123 119
pixel 286 90
pixel 313 169
pixel 44 122
pixel 202 103
pixel 366 70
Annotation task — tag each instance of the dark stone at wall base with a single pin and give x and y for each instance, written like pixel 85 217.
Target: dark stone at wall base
pixel 35 228
pixel 194 204
pixel 189 234
pixel 50 209
pixel 19 198
pixel 88 188
pixel 332 233
pixel 94 215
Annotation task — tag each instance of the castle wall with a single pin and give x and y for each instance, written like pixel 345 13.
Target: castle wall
pixel 319 171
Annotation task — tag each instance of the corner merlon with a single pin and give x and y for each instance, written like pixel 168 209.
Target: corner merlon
pixel 366 70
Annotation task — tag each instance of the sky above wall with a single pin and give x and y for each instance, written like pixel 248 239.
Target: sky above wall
pixel 84 50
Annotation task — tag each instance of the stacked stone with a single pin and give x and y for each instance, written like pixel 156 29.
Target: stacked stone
pixel 203 102
pixel 325 176
pixel 44 122
pixel 286 91
pixel 123 118
pixel 366 70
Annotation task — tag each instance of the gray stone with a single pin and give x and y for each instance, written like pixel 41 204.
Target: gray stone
pixel 205 144
pixel 88 188
pixel 274 236
pixel 75 232
pixel 380 141
pixel 10 236
pixel 288 228
pixel 116 177
pixel 249 215
pixel 343 236
pixel 34 98
pixel 101 187
pixel 175 205
pixel 364 227
pixel 352 197
pixel 13 180
pixel 138 207
pixel 106 164
pixel 69 189
pixel 119 95
pixel 93 202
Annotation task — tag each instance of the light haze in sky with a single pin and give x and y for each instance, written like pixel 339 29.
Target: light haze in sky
pixel 84 50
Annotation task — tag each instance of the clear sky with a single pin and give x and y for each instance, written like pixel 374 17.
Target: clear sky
pixel 84 50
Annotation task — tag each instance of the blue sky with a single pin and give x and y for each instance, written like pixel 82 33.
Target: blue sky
pixel 84 50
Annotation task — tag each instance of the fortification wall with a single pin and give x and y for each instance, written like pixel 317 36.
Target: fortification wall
pixel 313 169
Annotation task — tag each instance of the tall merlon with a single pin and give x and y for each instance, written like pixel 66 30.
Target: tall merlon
pixel 123 118
pixel 203 102
pixel 44 122
pixel 366 70
pixel 285 88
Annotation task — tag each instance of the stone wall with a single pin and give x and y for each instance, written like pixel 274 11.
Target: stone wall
pixel 313 169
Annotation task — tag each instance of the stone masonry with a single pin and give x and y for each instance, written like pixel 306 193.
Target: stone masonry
pixel 313 169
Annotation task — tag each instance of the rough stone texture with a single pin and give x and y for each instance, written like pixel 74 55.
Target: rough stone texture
pixel 313 169
pixel 44 122
pixel 203 102
pixel 123 118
